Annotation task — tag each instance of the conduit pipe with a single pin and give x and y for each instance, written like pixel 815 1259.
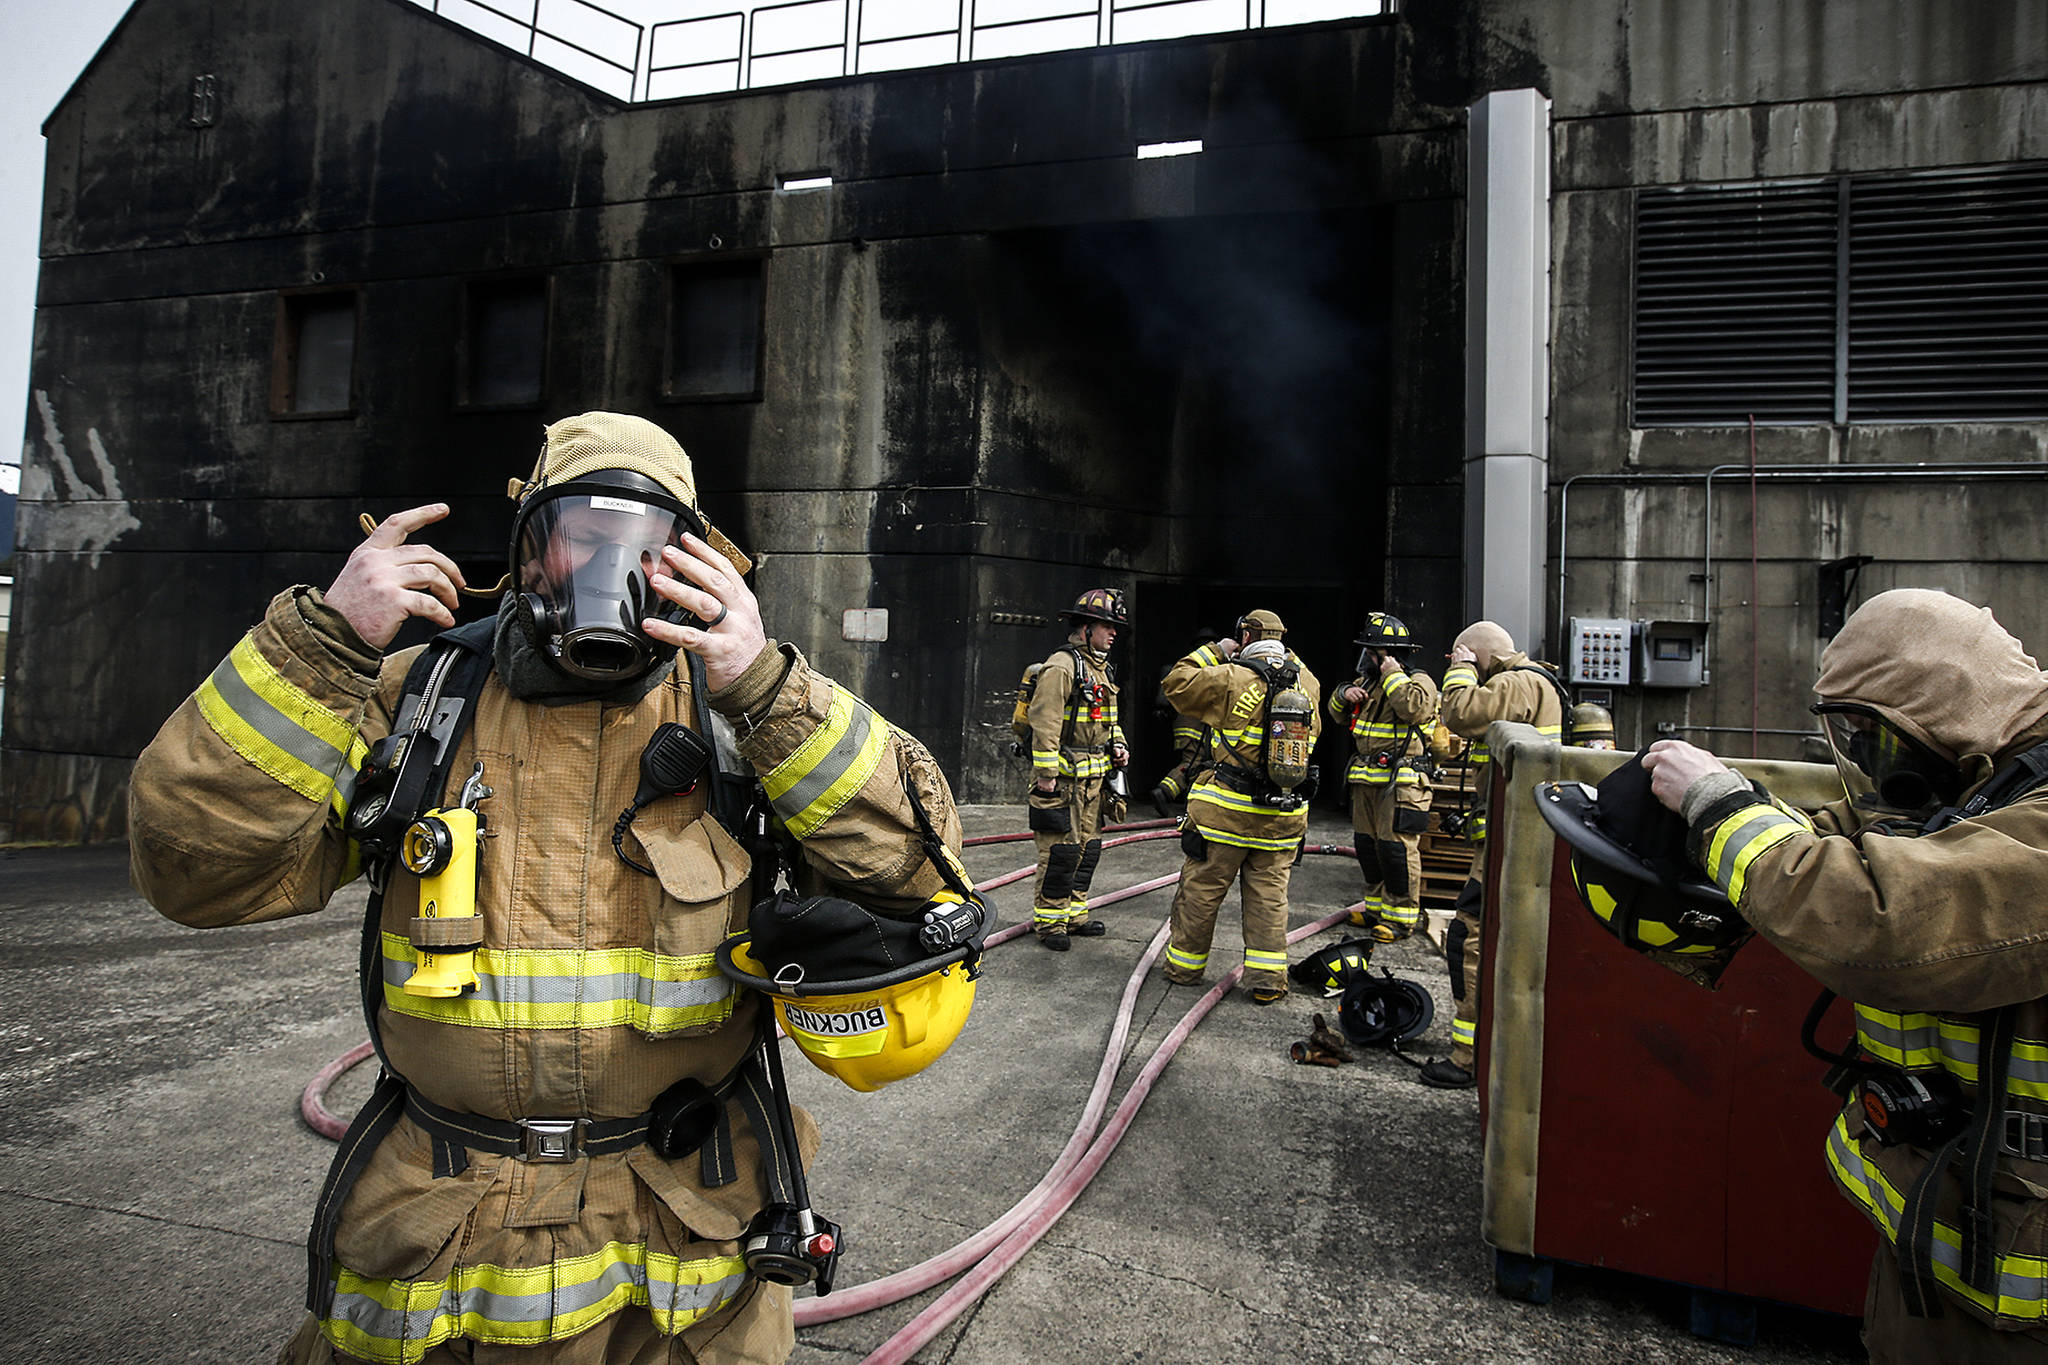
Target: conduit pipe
pixel 1790 473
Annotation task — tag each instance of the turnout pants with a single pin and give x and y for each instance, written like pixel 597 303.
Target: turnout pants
pixel 1388 855
pixel 756 1331
pixel 1067 828
pixel 1262 875
pixel 1461 955
pixel 1894 1337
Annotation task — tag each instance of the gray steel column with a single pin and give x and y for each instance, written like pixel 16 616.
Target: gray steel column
pixel 1507 361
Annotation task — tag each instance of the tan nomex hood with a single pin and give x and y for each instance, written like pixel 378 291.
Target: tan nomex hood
pixel 591 441
pixel 1943 670
pixel 1491 647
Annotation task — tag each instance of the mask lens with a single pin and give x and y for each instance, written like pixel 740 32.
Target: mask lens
pixel 1883 768
pixel 588 559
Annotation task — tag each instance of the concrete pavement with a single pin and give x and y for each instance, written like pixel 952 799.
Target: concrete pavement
pixel 155 1178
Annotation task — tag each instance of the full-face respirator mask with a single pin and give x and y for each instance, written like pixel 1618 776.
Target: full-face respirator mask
pixel 1884 769
pixel 584 554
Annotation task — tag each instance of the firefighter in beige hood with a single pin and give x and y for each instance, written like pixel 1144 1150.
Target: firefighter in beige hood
pixel 1488 680
pixel 596 988
pixel 1937 930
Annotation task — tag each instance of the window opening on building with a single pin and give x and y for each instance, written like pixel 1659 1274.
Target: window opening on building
pixel 714 329
pixel 504 342
pixel 313 361
pixel 1902 298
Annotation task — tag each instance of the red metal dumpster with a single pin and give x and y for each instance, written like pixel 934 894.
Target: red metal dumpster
pixel 1636 1121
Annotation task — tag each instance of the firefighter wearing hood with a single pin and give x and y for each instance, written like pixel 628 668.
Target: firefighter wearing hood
pixel 594 987
pixel 1248 810
pixel 1488 680
pixel 1923 905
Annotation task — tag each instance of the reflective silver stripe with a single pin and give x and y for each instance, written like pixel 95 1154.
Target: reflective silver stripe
pixel 277 728
pixel 2022 1279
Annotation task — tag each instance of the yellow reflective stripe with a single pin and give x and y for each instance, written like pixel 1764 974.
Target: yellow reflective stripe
pixel 280 728
pixel 1222 836
pixel 1461 675
pixel 1206 657
pixel 396 1322
pixel 1259 960
pixel 1464 1031
pixel 1925 1041
pixel 541 988
pixel 1393 683
pixel 1223 796
pixel 833 763
pixel 2022 1285
pixel 1193 962
pixel 1740 840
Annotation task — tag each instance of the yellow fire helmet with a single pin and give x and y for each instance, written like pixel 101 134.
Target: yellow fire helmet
pixel 867 998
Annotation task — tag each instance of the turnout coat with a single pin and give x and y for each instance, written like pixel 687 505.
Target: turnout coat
pixel 597 987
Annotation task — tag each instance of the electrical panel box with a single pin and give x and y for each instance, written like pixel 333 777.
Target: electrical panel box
pixel 1602 650
pixel 1671 653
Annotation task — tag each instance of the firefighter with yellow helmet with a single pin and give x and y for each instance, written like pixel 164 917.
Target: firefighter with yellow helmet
pixel 1248 812
pixel 1592 726
pixel 1388 710
pixel 1077 750
pixel 1919 899
pixel 1488 680
pixel 570 1149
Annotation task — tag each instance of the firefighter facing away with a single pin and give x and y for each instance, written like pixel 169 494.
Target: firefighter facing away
pixel 1388 709
pixel 1248 811
pixel 504 1188
pixel 1488 680
pixel 1077 747
pixel 1919 898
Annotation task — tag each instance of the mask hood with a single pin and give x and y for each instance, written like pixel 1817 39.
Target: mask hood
pixel 1940 669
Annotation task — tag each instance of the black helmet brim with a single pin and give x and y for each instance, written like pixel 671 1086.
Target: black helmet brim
pixel 1572 810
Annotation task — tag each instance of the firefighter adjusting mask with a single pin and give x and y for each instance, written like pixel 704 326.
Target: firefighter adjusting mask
pixel 1884 769
pixel 1920 694
pixel 583 555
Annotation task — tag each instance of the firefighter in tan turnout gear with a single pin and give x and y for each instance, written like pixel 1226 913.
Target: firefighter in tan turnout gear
pixel 1248 812
pixel 1920 900
pixel 1077 745
pixel 1488 680
pixel 1388 710
pixel 523 1177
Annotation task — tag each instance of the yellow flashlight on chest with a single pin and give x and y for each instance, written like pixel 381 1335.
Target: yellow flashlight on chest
pixel 441 849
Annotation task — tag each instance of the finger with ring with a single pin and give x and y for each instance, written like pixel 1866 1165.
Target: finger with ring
pixel 722 611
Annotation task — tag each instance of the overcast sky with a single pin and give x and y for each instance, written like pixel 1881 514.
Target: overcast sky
pixel 53 40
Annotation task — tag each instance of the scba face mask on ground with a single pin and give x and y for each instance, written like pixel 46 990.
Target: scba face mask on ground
pixel 584 557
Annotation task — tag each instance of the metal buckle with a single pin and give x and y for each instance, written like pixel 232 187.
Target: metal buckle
pixel 551 1139
pixel 2025 1136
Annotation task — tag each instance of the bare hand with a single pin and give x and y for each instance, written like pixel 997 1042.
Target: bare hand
pixel 1462 654
pixel 1389 665
pixel 1674 766
pixel 1226 647
pixel 1354 694
pixel 1048 785
pixel 387 580
pixel 701 581
pixel 1119 756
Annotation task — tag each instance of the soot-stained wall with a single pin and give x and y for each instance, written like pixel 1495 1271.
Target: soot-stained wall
pixel 1004 360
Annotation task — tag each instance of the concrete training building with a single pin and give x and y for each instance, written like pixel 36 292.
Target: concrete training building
pixel 1484 308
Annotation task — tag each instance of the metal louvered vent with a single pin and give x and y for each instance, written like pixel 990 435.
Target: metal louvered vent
pixel 1735 304
pixel 1948 296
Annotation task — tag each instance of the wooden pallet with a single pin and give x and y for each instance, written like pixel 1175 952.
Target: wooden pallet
pixel 1446 862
